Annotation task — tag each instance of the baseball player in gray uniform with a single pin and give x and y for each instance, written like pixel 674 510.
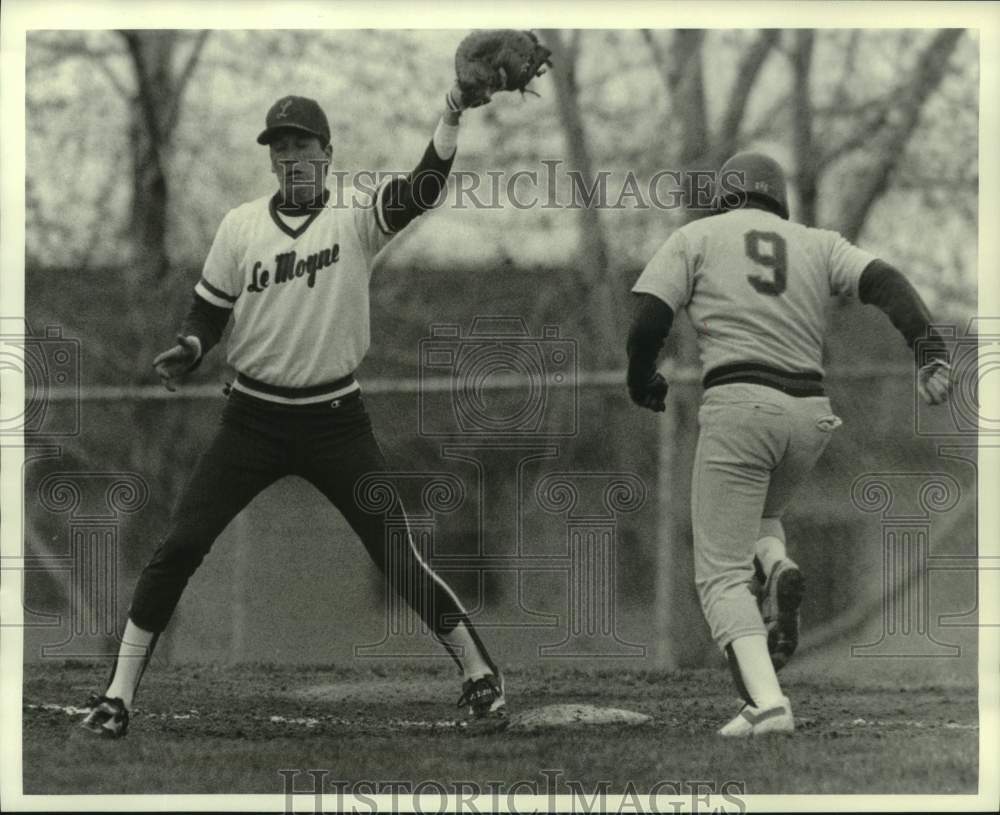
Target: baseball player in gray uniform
pixel 293 270
pixel 755 285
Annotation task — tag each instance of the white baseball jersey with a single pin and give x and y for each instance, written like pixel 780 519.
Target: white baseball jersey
pixel 755 286
pixel 298 288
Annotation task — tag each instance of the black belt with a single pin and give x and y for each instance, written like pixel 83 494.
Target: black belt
pixel 329 394
pixel 807 383
pixel 295 393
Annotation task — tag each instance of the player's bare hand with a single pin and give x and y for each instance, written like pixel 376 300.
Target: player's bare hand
pixel 651 394
pixel 934 382
pixel 177 361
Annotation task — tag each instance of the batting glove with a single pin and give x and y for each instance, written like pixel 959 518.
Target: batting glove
pixel 651 394
pixel 176 362
pixel 934 381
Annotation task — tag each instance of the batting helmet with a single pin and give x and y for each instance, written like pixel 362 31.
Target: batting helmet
pixel 748 176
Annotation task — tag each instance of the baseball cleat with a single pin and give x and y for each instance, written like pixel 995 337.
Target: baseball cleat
pixel 780 603
pixel 752 721
pixel 107 718
pixel 484 697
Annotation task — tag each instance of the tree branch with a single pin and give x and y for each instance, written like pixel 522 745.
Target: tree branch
pixel 927 75
pixel 855 141
pixel 69 49
pixel 802 119
pixel 661 61
pixel 181 82
pixel 145 92
pixel 689 95
pixel 746 77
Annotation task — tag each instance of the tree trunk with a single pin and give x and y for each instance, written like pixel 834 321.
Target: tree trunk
pixel 728 138
pixel 927 76
pixel 155 112
pixel 151 53
pixel 602 304
pixel 802 119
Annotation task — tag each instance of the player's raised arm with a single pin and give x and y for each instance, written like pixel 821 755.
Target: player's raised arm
pixel 885 287
pixel 486 62
pixel 403 199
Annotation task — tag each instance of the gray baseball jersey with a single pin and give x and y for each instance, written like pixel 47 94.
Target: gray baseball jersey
pixel 755 286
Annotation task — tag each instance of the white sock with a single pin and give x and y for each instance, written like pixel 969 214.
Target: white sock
pixel 769 550
pixel 757 671
pixel 474 664
pixel 445 139
pixel 131 662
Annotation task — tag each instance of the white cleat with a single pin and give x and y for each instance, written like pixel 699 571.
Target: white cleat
pixel 752 721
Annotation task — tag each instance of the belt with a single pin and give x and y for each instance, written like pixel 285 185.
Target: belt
pixel 309 395
pixel 806 383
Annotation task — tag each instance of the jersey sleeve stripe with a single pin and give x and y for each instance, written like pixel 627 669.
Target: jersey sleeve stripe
pixel 379 203
pixel 215 296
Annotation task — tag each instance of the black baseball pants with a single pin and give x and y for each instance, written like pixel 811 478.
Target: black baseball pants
pixel 257 443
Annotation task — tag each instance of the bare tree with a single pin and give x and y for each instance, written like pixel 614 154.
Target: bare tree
pixel 156 107
pixel 806 166
pixel 926 78
pixel 149 71
pixel 680 65
pixel 594 280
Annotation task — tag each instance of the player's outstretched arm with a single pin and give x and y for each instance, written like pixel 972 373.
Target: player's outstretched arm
pixel 486 62
pixel 651 322
pixel 409 197
pixel 201 331
pixel 885 287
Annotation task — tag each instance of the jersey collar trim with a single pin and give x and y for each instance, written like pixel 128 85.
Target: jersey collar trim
pixel 312 209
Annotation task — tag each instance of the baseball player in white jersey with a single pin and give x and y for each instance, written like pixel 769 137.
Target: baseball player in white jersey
pixel 755 285
pixel 293 270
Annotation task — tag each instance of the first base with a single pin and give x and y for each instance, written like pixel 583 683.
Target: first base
pixel 551 716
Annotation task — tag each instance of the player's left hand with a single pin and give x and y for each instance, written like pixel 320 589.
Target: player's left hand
pixel 177 361
pixel 651 394
pixel 934 382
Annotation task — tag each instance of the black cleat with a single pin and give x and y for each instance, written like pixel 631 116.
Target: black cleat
pixel 780 609
pixel 107 718
pixel 484 697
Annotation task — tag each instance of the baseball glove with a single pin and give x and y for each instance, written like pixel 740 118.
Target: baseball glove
pixel 495 60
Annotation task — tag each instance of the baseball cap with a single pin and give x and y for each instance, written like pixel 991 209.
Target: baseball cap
pixel 299 113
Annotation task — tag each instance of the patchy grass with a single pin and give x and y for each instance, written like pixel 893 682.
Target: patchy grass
pixel 230 730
